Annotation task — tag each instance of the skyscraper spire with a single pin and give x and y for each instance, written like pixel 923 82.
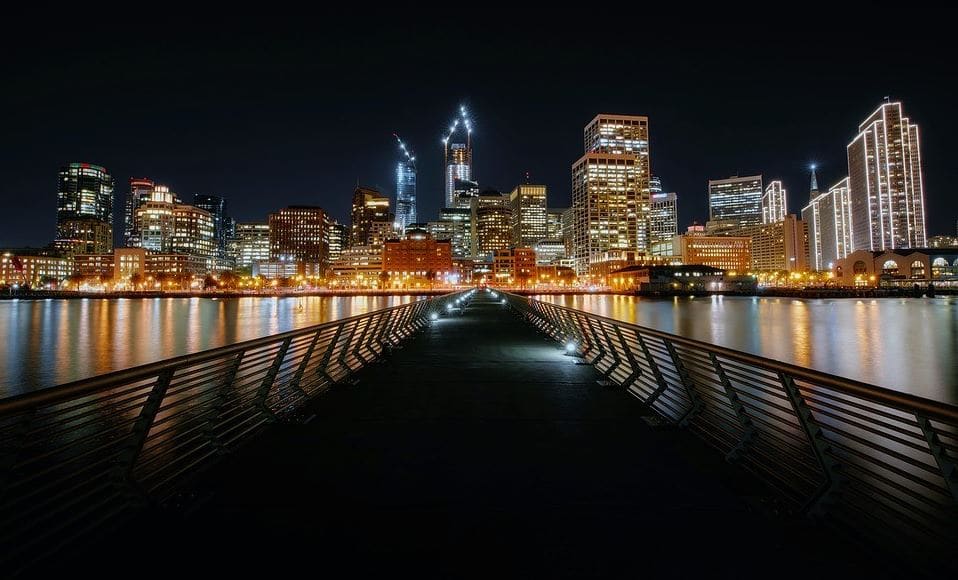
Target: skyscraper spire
pixel 814 188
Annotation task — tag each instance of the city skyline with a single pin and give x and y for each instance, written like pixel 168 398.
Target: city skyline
pixel 299 142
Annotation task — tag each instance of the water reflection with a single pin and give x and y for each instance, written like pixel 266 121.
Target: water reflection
pixel 908 345
pixel 49 342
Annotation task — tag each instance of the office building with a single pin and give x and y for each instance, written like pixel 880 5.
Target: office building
pixel 458 155
pixel 297 233
pixel 779 246
pixel 31 267
pixel 464 191
pixel 369 205
pixel 168 227
pixel 730 253
pixel 250 244
pixel 141 191
pixel 610 188
pixel 885 186
pixel 337 236
pixel 773 203
pixel 737 200
pixel 84 195
pixel 663 217
pixel 529 222
pixel 554 223
pixel 223 225
pixel 417 256
pixel 514 266
pixel 455 225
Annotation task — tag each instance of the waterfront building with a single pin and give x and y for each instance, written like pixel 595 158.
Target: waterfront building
pixel 885 186
pixel 405 188
pixel 33 268
pixel 549 251
pixel 514 266
pixel 779 246
pixel 141 191
pixel 297 233
pixel 84 209
pixel 828 216
pixel 358 266
pixel 529 222
pixel 417 257
pixel 168 227
pixel 898 267
pixel 602 268
pixel 738 199
pixel 610 188
pixel 337 235
pixel 223 225
pixel 490 222
pixel 943 242
pixel 774 205
pixel 730 253
pixel 681 278
pixel 454 225
pixel 250 243
pixel 369 205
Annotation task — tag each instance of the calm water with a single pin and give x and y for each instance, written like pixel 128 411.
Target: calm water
pixel 49 342
pixel 908 345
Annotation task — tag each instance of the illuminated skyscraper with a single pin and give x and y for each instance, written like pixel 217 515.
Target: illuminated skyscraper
pixel 405 188
pixel 663 217
pixel 610 189
pixel 885 184
pixel 828 216
pixel 369 205
pixel 169 227
pixel 84 209
pixel 223 226
pixel 528 203
pixel 458 154
pixel 250 244
pixel 737 200
pixel 297 233
pixel 141 190
pixel 773 203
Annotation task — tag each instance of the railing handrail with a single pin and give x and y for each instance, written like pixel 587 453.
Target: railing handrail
pixel 931 408
pixel 96 383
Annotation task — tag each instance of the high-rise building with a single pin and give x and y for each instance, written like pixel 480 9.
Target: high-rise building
pixel 455 225
pixel 885 184
pixel 222 224
pixel 491 223
pixel 463 192
pixel 369 205
pixel 554 223
pixel 773 203
pixel 779 246
pixel 610 188
pixel 168 227
pixel 405 188
pixel 141 190
pixel 663 217
pixel 828 216
pixel 655 185
pixel 736 199
pixel 458 155
pixel 250 244
pixel 337 235
pixel 84 193
pixel 529 223
pixel 297 233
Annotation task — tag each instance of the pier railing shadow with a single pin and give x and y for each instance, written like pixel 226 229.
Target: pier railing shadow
pixel 877 463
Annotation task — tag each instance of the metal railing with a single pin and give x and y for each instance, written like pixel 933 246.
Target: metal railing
pixel 77 457
pixel 876 462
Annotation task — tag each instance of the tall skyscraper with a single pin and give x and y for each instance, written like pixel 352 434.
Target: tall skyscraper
pixel 774 203
pixel 141 190
pixel 610 188
pixel 337 236
pixel 737 200
pixel 369 205
pixel 250 244
pixel 885 183
pixel 222 224
pixel 529 224
pixel 554 223
pixel 405 188
pixel 297 233
pixel 458 154
pixel 828 216
pixel 84 209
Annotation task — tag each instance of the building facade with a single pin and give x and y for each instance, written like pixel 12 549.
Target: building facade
pixel 405 189
pixel 141 191
pixel 730 253
pixel 297 233
pixel 736 199
pixel 84 195
pixel 529 215
pixel 458 157
pixel 33 269
pixel 369 205
pixel 828 218
pixel 780 246
pixel 250 244
pixel 417 256
pixel 663 218
pixel 885 186
pixel 610 188
pixel 223 224
pixel 774 203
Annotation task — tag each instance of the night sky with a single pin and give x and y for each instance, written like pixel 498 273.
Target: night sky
pixel 269 112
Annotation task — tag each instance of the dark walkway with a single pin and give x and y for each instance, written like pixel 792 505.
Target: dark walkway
pixel 477 449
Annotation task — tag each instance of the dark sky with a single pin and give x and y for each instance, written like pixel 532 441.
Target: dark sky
pixel 270 111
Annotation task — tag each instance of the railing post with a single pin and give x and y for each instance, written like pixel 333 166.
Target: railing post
pixel 301 370
pixel 663 385
pixel 949 471
pixel 819 503
pixel 616 361
pixel 221 396
pixel 18 437
pixel 737 407
pixel 357 349
pixel 635 370
pixel 262 394
pixel 384 328
pixel 687 383
pixel 341 359
pixel 328 355
pixel 141 431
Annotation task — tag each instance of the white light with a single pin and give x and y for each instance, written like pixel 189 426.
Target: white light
pixel 449 307
pixel 570 346
pixel 434 316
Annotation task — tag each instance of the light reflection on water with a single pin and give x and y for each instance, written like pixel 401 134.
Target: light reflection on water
pixel 909 345
pixel 50 342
